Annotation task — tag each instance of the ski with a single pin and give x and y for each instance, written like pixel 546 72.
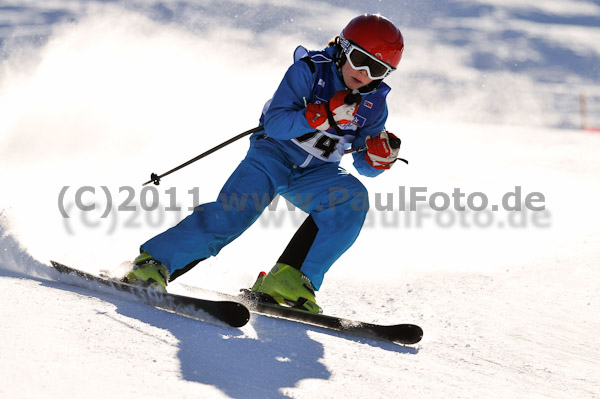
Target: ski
pixel 230 312
pixel 405 334
pixel 234 310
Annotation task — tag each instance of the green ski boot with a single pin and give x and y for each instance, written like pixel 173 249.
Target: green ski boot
pixel 287 286
pixel 148 272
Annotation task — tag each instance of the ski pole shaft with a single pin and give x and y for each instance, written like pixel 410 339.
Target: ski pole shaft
pixel 154 178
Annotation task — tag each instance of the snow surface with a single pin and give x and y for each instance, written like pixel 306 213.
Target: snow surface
pixel 99 94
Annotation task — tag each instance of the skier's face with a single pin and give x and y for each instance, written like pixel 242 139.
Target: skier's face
pixel 354 79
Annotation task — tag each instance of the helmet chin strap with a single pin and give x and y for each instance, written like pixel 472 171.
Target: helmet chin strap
pixel 340 60
pixel 370 87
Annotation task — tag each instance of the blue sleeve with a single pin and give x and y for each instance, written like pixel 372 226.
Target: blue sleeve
pixel 360 163
pixel 285 119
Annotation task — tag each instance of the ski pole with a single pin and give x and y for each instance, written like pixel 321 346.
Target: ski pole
pixel 154 178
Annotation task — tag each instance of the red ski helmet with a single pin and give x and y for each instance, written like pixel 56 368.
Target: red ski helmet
pixel 378 36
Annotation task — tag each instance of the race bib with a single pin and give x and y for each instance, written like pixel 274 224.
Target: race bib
pixel 322 145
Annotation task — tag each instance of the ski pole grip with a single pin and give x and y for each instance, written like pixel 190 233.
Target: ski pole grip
pixel 395 142
pixel 353 98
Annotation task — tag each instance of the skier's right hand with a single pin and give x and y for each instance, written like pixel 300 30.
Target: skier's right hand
pixel 341 108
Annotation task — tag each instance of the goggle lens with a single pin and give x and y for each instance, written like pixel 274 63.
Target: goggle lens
pixel 359 59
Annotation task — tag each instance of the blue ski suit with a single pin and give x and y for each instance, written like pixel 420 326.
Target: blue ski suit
pixel 293 160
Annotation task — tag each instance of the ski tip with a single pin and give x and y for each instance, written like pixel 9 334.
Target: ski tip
pixel 58 266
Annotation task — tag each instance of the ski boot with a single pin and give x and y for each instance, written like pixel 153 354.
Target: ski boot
pixel 148 273
pixel 288 286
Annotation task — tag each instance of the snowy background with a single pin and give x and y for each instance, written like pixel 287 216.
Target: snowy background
pixel 99 94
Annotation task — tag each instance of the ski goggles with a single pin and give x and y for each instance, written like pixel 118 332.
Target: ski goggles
pixel 360 60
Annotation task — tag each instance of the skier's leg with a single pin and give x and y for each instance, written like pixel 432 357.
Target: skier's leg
pixel 298 247
pixel 337 203
pixel 251 187
pixel 337 210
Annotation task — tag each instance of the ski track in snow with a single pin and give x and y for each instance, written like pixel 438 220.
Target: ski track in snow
pixel 90 89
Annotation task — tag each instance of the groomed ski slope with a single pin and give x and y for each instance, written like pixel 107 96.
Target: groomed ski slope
pixel 108 93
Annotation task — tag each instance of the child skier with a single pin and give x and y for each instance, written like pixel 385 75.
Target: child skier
pixel 328 101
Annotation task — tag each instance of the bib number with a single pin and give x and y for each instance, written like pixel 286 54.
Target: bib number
pixel 319 141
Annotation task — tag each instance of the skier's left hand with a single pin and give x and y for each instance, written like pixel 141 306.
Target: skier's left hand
pixel 382 150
